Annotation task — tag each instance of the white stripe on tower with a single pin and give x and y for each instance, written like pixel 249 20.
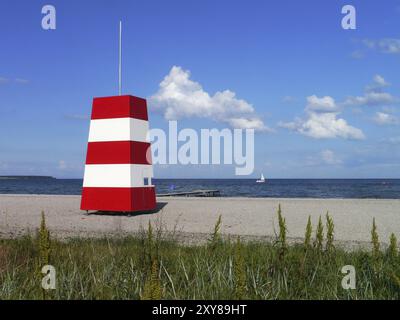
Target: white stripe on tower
pixel 116 175
pixel 119 129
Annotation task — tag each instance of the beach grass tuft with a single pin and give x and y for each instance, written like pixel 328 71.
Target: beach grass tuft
pixel 282 233
pixel 330 232
pixel 307 236
pixel 393 249
pixel 319 235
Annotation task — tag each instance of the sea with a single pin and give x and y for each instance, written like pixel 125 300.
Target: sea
pixel 272 188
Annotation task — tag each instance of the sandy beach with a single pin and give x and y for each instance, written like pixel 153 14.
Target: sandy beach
pixel 192 219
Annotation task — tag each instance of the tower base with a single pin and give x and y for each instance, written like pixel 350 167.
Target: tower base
pixel 118 199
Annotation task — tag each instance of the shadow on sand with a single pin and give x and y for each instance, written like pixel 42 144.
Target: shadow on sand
pixel 159 207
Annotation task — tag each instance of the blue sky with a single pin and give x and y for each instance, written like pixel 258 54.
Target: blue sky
pixel 290 61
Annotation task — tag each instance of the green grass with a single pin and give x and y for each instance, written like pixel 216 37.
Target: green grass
pixel 147 267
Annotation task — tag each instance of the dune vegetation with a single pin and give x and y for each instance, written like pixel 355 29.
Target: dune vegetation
pixel 150 265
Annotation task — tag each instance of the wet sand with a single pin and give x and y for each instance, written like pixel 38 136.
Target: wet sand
pixel 193 219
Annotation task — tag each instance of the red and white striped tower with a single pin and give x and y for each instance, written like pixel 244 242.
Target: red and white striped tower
pixel 118 168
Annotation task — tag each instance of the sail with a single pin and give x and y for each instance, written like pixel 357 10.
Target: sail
pixel 262 177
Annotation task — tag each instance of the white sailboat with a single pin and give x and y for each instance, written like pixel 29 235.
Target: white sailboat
pixel 261 180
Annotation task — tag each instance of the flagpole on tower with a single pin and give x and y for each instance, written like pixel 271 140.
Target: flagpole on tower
pixel 120 59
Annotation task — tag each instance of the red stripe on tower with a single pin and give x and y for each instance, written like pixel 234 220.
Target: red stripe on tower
pixel 123 107
pixel 118 152
pixel 119 199
pixel 118 170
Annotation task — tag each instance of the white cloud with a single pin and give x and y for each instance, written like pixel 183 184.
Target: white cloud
pixel 244 123
pixel 180 97
pixel 322 121
pixel 373 96
pixel 62 165
pixel 17 80
pixel 324 104
pixel 383 118
pixel 325 157
pixel 387 45
pixel 370 99
pixel 369 43
pixel 328 157
pixel 380 81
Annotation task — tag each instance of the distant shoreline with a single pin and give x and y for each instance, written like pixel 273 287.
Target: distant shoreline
pixel 273 188
pixel 217 179
pixel 253 178
pixel 25 177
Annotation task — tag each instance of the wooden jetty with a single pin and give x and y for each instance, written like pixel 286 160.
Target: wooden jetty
pixel 195 193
